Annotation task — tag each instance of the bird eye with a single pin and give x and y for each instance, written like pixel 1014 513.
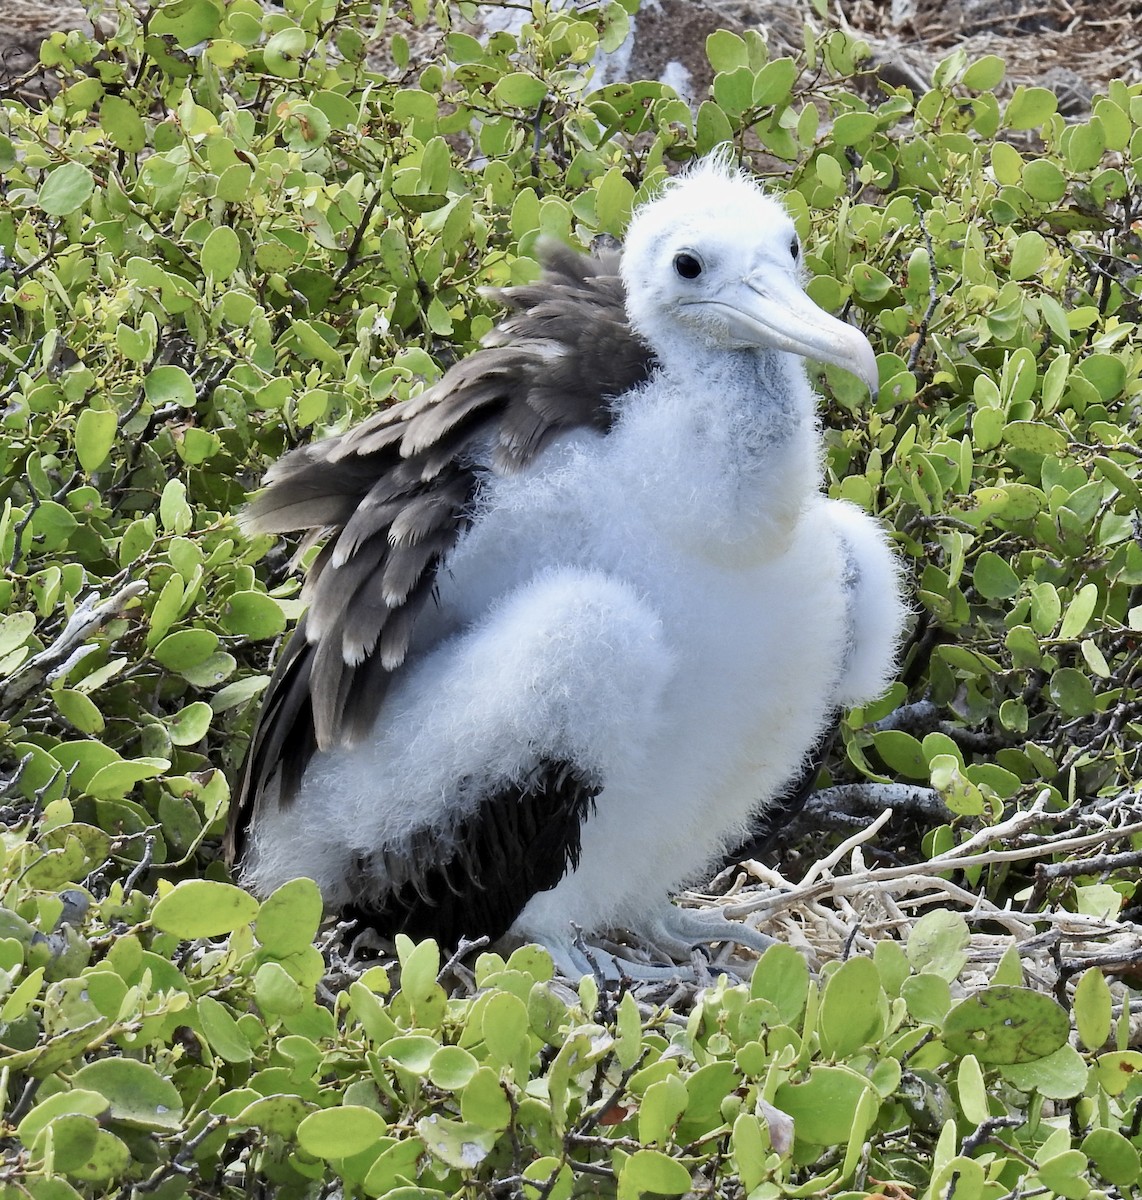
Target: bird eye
pixel 795 249
pixel 687 265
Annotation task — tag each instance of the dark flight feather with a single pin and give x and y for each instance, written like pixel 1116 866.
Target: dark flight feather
pixel 476 877
pixel 392 496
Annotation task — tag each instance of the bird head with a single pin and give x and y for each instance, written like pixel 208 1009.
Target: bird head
pixel 713 263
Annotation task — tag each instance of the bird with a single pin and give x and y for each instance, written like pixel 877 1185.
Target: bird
pixel 582 609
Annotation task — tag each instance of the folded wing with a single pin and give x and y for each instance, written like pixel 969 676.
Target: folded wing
pixel 390 498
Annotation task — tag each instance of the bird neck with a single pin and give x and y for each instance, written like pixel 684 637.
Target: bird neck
pixel 755 402
pixel 728 449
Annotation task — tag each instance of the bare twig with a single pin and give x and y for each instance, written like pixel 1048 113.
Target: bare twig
pixel 933 296
pixel 89 616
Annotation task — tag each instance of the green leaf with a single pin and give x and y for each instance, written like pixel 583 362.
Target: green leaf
pixel 824 1106
pixel 169 385
pixel 451 1067
pixel 1044 181
pixel 733 90
pixel 241 691
pixel 1093 1009
pixel 850 1008
pixel 774 82
pixel 1115 1159
pixel 1029 107
pixel 1034 437
pixel 108 1159
pixel 1073 692
pixel 122 124
pixel 79 710
pixel 937 944
pixel 868 282
pixel 1006 1025
pixel 651 1171
pixel 221 252
pixel 1065 1174
pixel 276 991
pixel 282 52
pixel 277 1114
pixel 74 1100
pixel 288 918
pixel 1059 1076
pixel 726 51
pixel 197 908
pixel 187 21
pixel 1079 612
pixel 1118 1069
pixel 483 1101
pixel 850 129
pixel 518 89
pixel 1028 255
pixel 456 1143
pixel 413 1052
pixel 712 129
pixel 928 998
pixel 782 977
pixel 66 190
pixel 339 1132
pixel 118 778
pixel 993 577
pixel 902 753
pixel 1116 475
pixel 94 437
pixel 613 201
pixel 223 1032
pixel 185 649
pixel 985 74
pixel 253 614
pixel 660 1108
pixel 190 724
pixel 138 1095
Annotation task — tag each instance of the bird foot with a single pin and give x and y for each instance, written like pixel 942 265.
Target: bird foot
pixel 671 936
pixel 678 931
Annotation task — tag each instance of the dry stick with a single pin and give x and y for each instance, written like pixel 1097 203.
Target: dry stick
pixel 1090 866
pixel 921 877
pixel 847 847
pixel 89 616
pixel 933 295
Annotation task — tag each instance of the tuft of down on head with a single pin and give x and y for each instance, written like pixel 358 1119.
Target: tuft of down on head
pixel 707 227
pixel 713 264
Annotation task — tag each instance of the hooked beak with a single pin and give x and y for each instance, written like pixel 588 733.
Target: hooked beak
pixel 769 308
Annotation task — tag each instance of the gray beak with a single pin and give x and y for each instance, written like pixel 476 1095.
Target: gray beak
pixel 769 308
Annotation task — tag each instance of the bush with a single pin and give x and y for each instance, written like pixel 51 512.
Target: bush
pixel 227 233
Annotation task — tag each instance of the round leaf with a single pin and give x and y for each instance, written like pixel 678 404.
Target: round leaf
pixel 66 190
pixel 288 918
pixel 824 1107
pixel 139 1096
pixel 94 436
pixel 1006 1025
pixel 198 908
pixel 221 252
pixel 340 1132
pixel 655 1172
pixel 253 614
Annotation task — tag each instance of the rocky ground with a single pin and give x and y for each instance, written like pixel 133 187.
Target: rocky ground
pixel 1072 46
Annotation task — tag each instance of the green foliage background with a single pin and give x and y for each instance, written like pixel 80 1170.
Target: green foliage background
pixel 227 233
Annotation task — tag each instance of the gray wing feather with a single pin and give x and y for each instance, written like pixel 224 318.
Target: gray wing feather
pixel 392 496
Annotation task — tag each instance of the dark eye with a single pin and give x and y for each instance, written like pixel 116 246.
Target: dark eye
pixel 687 265
pixel 795 249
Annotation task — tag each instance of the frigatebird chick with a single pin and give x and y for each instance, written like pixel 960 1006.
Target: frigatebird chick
pixel 582 609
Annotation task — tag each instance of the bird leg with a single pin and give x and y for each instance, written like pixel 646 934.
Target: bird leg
pixel 671 934
pixel 574 958
pixel 677 931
